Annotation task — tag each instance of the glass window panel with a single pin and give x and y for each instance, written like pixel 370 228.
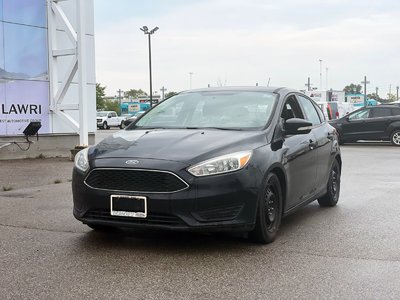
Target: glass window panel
pixel 25 52
pixel 27 12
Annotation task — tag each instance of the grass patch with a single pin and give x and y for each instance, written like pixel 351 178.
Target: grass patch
pixel 41 156
pixel 7 188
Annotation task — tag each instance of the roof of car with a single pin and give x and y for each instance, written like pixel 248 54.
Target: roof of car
pixel 242 88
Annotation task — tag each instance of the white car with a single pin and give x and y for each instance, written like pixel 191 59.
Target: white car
pixel 107 119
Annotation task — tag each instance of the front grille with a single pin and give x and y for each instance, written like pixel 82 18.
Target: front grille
pixel 135 181
pixel 154 219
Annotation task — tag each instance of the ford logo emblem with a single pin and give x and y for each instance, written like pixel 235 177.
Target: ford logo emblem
pixel 132 162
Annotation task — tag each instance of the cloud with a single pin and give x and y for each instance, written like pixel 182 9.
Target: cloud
pixel 244 42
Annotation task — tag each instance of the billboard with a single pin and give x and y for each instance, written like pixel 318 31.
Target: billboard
pixel 24 83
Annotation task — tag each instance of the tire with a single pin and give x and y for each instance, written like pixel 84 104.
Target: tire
pixel 333 189
pixel 122 125
pixel 269 211
pixel 105 125
pixel 395 137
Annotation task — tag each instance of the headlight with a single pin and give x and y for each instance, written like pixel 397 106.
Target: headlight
pixel 81 160
pixel 222 164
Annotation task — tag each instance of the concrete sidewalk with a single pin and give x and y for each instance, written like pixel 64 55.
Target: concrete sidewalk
pixel 25 173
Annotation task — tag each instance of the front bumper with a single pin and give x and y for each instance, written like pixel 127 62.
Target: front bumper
pixel 224 202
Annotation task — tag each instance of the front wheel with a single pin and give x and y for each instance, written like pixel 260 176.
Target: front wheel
pixel 269 211
pixel 395 137
pixel 105 125
pixel 333 189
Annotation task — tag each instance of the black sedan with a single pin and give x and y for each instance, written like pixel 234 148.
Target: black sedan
pixel 223 159
pixel 380 123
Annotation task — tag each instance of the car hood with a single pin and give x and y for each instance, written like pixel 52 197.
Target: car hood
pixel 182 145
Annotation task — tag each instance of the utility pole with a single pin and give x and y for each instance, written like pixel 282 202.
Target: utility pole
pixel 397 93
pixel 365 82
pixel 320 74
pixel 163 89
pixel 376 91
pixel 119 96
pixel 308 84
pixel 269 79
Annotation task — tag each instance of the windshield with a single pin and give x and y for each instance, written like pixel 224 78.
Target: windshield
pixel 102 114
pixel 216 109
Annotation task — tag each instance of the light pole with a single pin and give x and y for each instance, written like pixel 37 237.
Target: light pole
pixel 320 74
pixel 190 79
pixel 145 30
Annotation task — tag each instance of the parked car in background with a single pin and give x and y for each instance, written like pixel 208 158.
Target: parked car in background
pixel 381 123
pixel 215 159
pixel 133 118
pixel 335 110
pixel 107 119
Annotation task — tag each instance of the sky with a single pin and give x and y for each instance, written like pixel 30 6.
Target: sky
pixel 248 42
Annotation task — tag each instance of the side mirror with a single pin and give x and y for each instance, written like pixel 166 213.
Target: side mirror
pixel 347 118
pixel 297 126
pixel 109 116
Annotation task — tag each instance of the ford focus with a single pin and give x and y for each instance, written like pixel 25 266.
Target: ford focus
pixel 215 159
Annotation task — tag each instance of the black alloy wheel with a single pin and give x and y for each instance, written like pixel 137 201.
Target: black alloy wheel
pixel 269 212
pixel 333 189
pixel 395 137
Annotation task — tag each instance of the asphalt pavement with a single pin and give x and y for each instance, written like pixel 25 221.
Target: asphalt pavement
pixel 351 251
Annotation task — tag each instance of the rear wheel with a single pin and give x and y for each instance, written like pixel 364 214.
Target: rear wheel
pixel 269 212
pixel 395 137
pixel 122 125
pixel 333 190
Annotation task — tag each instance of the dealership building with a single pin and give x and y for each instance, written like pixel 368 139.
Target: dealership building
pixel 47 75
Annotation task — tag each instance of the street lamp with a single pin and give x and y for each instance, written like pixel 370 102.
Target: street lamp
pixel 145 30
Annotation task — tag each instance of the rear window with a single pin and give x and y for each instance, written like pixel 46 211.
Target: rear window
pixel 378 112
pixel 395 111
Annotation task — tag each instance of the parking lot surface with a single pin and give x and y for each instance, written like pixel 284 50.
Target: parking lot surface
pixel 351 251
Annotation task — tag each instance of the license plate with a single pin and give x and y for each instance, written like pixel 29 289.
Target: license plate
pixel 128 206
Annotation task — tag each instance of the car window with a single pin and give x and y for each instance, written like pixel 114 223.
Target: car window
pixel 395 111
pixel 291 109
pixel 378 112
pixel 359 115
pixel 220 109
pixel 310 110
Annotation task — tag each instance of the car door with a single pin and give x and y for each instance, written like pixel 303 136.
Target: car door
pixel 299 158
pixel 324 136
pixel 355 126
pixel 378 121
pixel 114 121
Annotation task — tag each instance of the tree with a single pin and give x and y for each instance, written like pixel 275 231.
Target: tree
pixel 353 88
pixel 391 97
pixel 112 105
pixel 170 94
pixel 100 93
pixel 374 96
pixel 132 93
